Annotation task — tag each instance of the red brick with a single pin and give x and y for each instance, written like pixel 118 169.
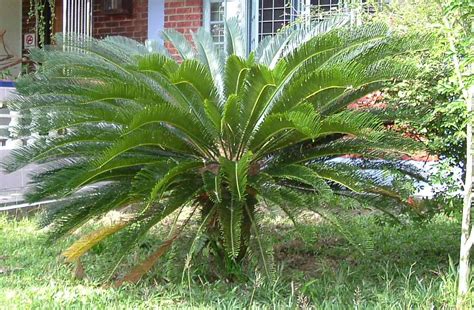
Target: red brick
pixel 111 24
pixel 193 17
pixel 184 10
pixel 174 4
pixel 170 25
pixel 188 24
pixel 175 17
pixel 134 26
pixel 194 2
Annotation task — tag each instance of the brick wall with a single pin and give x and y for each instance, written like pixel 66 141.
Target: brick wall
pixel 183 16
pixel 134 26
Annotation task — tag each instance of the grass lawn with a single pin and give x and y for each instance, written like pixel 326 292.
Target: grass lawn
pixel 391 267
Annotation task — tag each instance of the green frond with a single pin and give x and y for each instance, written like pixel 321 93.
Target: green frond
pixel 348 176
pixel 230 220
pixel 72 143
pixel 235 43
pixel 260 84
pixel 179 41
pixel 212 186
pixel 302 174
pixel 210 57
pixel 173 173
pixel 149 217
pixel 303 119
pixel 158 63
pixel 165 114
pixel 75 212
pixel 389 146
pixel 271 49
pixel 235 73
pixel 355 123
pixel 150 174
pixel 231 125
pixel 107 171
pixel 154 135
pixel 214 115
pixel 198 76
pixel 235 173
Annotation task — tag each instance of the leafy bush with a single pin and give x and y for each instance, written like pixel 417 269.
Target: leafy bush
pixel 430 105
pixel 225 135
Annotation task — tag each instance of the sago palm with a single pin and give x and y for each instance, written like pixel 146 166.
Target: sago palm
pixel 219 132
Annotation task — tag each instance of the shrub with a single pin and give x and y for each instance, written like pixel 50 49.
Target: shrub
pixel 218 132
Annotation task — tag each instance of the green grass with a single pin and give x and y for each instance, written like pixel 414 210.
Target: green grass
pixel 383 267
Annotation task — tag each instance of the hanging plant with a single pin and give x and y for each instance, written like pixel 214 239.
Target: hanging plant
pixel 38 10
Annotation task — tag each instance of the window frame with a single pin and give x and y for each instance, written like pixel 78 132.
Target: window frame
pixel 207 16
pixel 244 10
pixel 250 15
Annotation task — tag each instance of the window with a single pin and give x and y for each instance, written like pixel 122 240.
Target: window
pixel 216 12
pixel 216 22
pixel 273 15
pixel 321 9
pixel 261 18
pixel 324 5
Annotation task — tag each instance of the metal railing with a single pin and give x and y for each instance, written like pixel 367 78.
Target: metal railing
pixel 77 17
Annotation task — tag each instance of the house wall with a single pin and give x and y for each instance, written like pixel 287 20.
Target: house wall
pixel 10 16
pixel 184 16
pixel 156 19
pixel 134 26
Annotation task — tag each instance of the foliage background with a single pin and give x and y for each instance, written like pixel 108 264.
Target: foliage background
pixel 431 107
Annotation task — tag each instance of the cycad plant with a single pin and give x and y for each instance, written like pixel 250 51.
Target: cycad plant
pixel 219 134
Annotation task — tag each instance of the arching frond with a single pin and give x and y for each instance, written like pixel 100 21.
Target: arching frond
pixel 180 43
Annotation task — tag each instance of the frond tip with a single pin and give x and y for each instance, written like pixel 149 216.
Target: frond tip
pixel 137 273
pixel 81 246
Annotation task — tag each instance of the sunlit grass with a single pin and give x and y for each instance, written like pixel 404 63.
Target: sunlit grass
pixel 385 267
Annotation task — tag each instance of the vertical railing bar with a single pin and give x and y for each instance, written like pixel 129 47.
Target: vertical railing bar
pixel 89 15
pixel 84 11
pixel 66 17
pixel 71 15
pixel 81 19
pixel 64 23
pixel 64 14
pixel 77 17
pixel 74 14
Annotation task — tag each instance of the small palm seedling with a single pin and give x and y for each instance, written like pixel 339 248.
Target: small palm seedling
pixel 217 132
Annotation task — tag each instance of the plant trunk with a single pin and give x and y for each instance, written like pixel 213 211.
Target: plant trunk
pixel 466 227
pixel 216 240
pixel 467 232
pixel 247 220
pixel 464 272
